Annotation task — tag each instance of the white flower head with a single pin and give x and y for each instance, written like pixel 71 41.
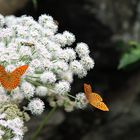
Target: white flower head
pixel 10 68
pixel 17 95
pixel 2 90
pixel 60 66
pixel 61 55
pixel 48 23
pixel 60 39
pixel 25 51
pixel 71 53
pixel 87 62
pixel 67 76
pixel 16 125
pixel 36 63
pixel 82 73
pixel 81 100
pixel 4 98
pixel 62 87
pixel 82 49
pixel 17 138
pixel 41 91
pixel 1 133
pixel 52 46
pixel 76 67
pixel 36 106
pixel 48 77
pixel 2 21
pixel 2 116
pixel 70 37
pixel 27 89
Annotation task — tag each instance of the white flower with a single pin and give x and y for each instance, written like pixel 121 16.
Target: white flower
pixel 44 18
pixel 52 66
pixel 62 88
pixel 82 73
pixel 82 49
pixel 17 138
pixel 61 54
pixel 10 20
pixel 2 21
pixel 60 66
pixel 60 39
pixel 87 62
pixel 67 76
pixel 1 133
pixel 2 116
pixel 76 67
pixel 36 106
pixel 81 100
pixel 48 23
pixel 41 91
pixel 2 91
pixel 25 51
pixel 4 98
pixel 30 70
pixel 36 63
pixel 16 125
pixel 70 37
pixel 3 122
pixel 17 95
pixel 52 103
pixel 48 77
pixel 27 89
pixel 69 108
pixel 52 46
pixel 71 53
pixel 69 105
pixel 10 68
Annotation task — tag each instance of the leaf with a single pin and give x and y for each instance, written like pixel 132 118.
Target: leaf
pixel 34 3
pixel 130 57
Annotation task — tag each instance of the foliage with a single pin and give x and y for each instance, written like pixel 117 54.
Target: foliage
pixel 35 2
pixel 131 55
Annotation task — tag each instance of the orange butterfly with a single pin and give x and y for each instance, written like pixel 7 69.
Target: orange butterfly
pixel 94 98
pixel 10 80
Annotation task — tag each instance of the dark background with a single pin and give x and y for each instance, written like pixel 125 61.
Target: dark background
pixel 102 24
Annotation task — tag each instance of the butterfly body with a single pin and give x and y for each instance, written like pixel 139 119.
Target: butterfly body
pixel 94 98
pixel 10 80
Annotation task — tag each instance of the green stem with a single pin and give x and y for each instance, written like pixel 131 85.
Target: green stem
pixel 71 96
pixel 33 82
pixel 42 124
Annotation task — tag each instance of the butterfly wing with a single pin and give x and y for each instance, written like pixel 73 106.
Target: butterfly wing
pixel 100 105
pixel 87 90
pixel 16 76
pixel 96 100
pixel 11 80
pixel 2 71
pixel 95 96
pixel 20 70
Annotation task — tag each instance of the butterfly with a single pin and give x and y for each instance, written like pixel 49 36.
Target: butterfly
pixel 10 80
pixel 94 98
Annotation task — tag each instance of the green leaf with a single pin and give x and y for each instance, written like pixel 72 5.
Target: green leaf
pixel 34 3
pixel 130 57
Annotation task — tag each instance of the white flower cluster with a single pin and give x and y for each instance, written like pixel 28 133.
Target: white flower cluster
pixel 14 126
pixel 52 63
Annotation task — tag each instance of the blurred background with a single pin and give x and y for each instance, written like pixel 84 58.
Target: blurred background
pixel 112 31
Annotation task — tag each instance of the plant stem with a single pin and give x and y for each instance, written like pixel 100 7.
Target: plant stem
pixel 42 124
pixel 71 96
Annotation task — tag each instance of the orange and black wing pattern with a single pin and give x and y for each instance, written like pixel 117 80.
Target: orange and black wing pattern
pixel 11 80
pixel 94 98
